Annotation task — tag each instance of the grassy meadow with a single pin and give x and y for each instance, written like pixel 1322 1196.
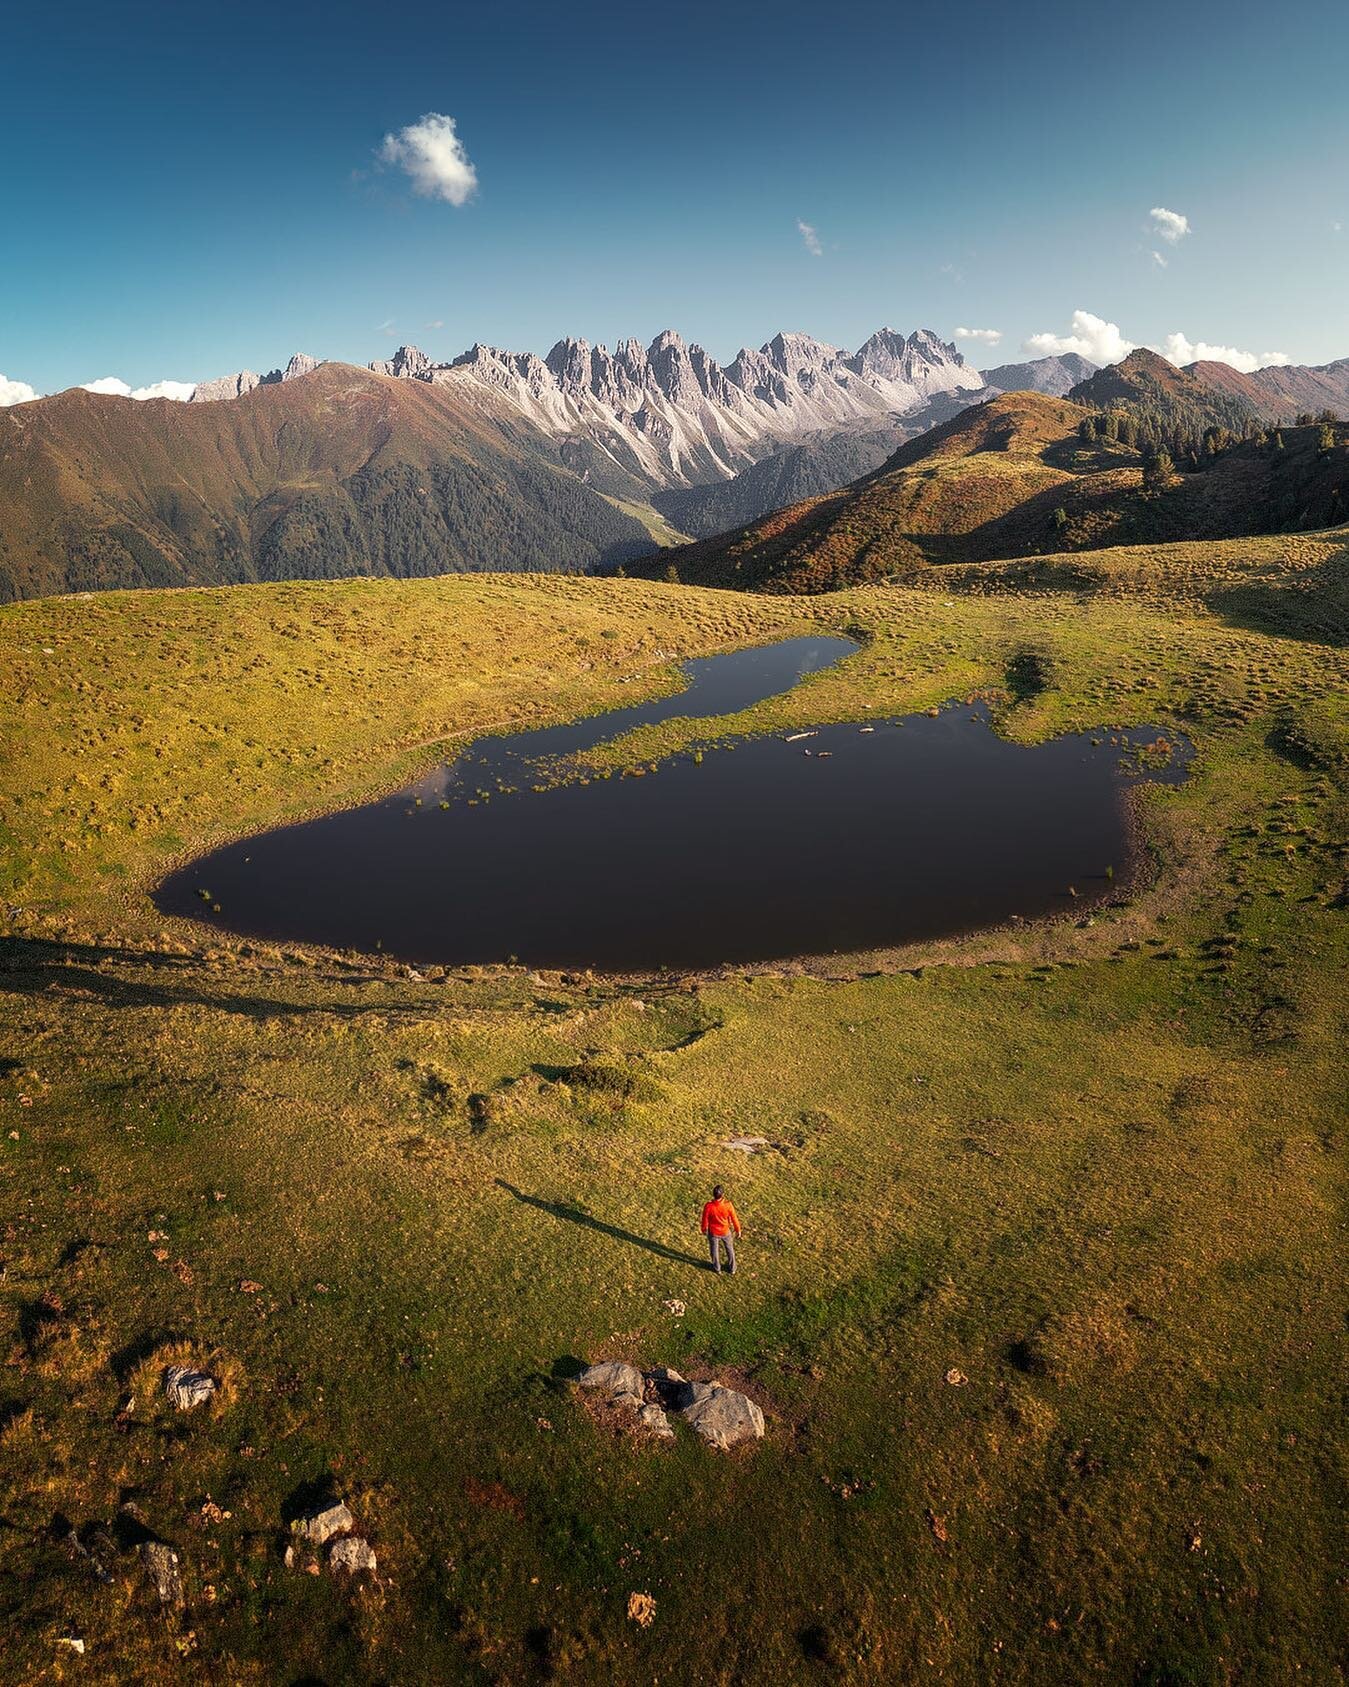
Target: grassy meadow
pixel 1042 1278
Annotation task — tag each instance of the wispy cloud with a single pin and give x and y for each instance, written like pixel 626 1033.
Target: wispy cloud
pixel 1159 260
pixel 16 392
pixel 985 336
pixel 811 238
pixel 386 327
pixel 179 391
pixel 1101 341
pixel 434 158
pixel 1171 226
pixel 436 324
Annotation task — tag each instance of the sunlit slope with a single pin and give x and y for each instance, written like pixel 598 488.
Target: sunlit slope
pixel 1013 478
pixel 1041 1289
pixel 337 472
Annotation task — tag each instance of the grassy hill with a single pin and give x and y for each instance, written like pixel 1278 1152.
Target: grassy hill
pixel 1015 478
pixel 338 472
pixel 1041 1290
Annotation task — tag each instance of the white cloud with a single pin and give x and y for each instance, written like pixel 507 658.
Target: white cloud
pixel 1171 226
pixel 811 238
pixel 436 324
pixel 985 336
pixel 1159 260
pixel 434 158
pixel 179 391
pixel 1090 337
pixel 386 327
pixel 1179 349
pixel 1102 342
pixel 16 392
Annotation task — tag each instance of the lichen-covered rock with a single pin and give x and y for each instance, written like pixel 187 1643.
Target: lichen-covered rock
pixel 351 1555
pixel 186 1388
pixel 320 1526
pixel 723 1417
pixel 616 1381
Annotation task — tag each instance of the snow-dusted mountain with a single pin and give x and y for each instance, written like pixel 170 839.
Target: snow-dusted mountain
pixel 668 414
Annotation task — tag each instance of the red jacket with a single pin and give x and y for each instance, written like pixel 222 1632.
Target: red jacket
pixel 719 1217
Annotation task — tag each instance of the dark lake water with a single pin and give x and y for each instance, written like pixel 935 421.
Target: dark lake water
pixel 858 836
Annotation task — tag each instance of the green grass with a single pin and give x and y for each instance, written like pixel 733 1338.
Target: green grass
pixel 660 529
pixel 1096 1170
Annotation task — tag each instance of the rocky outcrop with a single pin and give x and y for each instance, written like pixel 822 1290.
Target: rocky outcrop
pixel 408 363
pixel 616 1383
pixel 320 1526
pixel 722 1417
pixel 225 386
pixel 352 1554
pixel 161 1565
pixel 186 1388
pixel 244 380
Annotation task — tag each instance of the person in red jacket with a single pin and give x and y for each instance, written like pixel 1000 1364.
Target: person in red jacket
pixel 721 1227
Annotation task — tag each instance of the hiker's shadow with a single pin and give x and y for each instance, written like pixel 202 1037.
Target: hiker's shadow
pixel 574 1215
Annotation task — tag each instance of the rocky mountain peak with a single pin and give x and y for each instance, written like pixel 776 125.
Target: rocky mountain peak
pixel 407 363
pixel 793 353
pixel 300 364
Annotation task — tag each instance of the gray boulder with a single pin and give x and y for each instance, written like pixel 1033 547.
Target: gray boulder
pixel 351 1554
pixel 619 1383
pixel 320 1526
pixel 723 1417
pixel 187 1388
pixel 162 1563
pixel 654 1419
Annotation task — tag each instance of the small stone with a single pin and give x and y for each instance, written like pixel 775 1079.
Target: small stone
pixel 320 1526
pixel 351 1555
pixel 956 1378
pixel 641 1609
pixel 162 1562
pixel 187 1388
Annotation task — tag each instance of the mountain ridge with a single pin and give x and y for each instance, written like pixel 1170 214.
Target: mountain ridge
pixel 333 472
pixel 1018 476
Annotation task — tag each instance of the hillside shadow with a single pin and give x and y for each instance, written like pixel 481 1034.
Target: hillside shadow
pixel 574 1215
pixel 30 966
pixel 1311 604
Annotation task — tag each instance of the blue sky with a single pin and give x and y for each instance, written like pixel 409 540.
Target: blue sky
pixel 194 188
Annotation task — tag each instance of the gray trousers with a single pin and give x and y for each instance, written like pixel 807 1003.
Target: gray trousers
pixel 728 1242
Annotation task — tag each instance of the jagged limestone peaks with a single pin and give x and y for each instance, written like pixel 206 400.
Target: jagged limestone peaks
pixel 244 380
pixel 407 363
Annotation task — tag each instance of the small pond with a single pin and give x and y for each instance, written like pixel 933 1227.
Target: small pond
pixel 854 836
